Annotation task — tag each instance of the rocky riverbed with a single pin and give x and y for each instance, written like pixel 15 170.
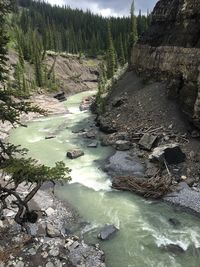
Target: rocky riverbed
pixel 50 242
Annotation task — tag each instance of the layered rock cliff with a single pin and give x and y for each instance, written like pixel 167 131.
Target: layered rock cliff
pixel 170 50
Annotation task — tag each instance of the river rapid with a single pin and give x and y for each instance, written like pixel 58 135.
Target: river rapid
pixel 144 225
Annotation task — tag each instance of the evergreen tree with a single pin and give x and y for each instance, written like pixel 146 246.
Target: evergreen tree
pixel 64 29
pixel 17 75
pixel 133 34
pixel 37 55
pixel 149 18
pixel 111 55
pixel 122 59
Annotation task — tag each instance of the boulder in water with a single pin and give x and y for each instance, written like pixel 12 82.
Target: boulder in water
pixel 122 163
pixel 173 248
pixel 50 137
pixel 174 222
pixel 107 232
pixel 93 145
pixel 91 134
pixel 75 153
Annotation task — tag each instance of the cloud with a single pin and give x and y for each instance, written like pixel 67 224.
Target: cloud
pixel 107 7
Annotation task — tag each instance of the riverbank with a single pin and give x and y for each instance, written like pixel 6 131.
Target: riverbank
pixel 150 119
pixel 51 241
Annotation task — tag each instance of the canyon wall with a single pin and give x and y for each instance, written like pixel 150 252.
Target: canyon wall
pixel 170 51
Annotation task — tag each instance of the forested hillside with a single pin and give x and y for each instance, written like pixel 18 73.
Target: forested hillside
pixel 73 31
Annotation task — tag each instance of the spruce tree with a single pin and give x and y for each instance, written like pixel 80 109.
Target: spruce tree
pixel 133 33
pixel 37 54
pixel 111 55
pixel 64 29
pixel 139 23
pixel 122 59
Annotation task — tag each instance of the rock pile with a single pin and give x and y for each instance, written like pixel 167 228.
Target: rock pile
pixel 47 242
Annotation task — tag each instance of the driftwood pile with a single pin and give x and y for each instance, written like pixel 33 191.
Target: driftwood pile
pixel 155 188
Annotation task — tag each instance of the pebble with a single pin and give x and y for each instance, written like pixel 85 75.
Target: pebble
pixel 74 245
pixel 50 211
pixel 183 177
pixel 54 252
pixel 52 231
pixel 19 264
pixel 50 264
pixel 44 254
pixel 1 224
pixel 32 251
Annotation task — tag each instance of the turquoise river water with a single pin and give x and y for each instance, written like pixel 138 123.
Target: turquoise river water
pixel 144 226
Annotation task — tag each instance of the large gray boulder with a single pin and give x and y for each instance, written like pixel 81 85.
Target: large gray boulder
pixel 172 153
pixel 173 248
pixel 75 153
pixel 107 232
pixel 122 163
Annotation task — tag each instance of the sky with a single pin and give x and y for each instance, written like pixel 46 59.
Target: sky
pixel 107 7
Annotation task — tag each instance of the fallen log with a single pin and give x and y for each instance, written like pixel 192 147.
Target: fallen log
pixel 155 187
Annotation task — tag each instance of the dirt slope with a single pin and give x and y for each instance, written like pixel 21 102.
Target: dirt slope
pixel 145 105
pixel 137 106
pixel 72 74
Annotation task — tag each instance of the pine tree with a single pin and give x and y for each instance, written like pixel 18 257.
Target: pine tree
pixel 111 55
pixel 18 75
pixel 133 34
pixel 64 29
pixel 149 18
pixel 139 23
pixel 37 59
pixel 122 59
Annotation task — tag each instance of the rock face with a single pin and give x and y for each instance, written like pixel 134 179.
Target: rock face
pixel 170 50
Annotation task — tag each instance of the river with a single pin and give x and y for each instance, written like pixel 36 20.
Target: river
pixel 144 225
